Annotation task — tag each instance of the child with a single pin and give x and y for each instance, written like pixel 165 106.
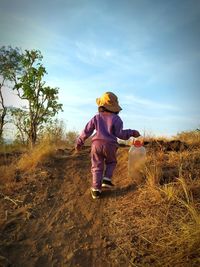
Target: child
pixel 108 126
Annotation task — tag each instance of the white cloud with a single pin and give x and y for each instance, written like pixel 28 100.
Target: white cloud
pixel 91 54
pixel 11 98
pixel 131 100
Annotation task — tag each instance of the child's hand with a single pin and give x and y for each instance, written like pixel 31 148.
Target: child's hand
pixel 136 133
pixel 78 148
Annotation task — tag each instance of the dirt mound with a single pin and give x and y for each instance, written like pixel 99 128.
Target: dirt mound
pixel 174 145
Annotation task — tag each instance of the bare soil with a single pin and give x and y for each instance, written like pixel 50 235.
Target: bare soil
pixel 49 218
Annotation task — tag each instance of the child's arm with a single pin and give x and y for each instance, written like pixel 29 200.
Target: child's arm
pixel 87 132
pixel 124 134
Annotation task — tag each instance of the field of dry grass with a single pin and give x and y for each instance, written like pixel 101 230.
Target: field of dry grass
pixel 151 219
pixel 159 223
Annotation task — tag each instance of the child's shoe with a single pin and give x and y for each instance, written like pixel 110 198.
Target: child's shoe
pixel 107 182
pixel 95 193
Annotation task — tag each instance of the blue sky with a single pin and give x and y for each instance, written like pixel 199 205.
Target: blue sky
pixel 145 51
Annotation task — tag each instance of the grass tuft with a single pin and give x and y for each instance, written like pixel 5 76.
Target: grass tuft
pixel 38 155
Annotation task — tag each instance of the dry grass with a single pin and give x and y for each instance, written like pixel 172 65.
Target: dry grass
pixel 156 224
pixel 12 166
pixel 8 162
pixel 12 148
pixel 7 174
pixel 39 154
pixel 190 137
pixel 159 223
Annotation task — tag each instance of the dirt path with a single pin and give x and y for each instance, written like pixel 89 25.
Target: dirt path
pixel 48 218
pixel 59 224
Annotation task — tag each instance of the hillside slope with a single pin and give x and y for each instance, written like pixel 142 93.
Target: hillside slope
pixel 50 219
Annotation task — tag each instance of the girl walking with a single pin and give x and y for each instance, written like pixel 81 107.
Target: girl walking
pixel 109 127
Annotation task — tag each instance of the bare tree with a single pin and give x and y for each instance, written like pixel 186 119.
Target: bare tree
pixel 21 122
pixel 3 110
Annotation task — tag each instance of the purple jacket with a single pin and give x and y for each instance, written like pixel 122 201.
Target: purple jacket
pixel 108 127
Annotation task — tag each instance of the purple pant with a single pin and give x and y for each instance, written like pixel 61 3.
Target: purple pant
pixel 103 159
